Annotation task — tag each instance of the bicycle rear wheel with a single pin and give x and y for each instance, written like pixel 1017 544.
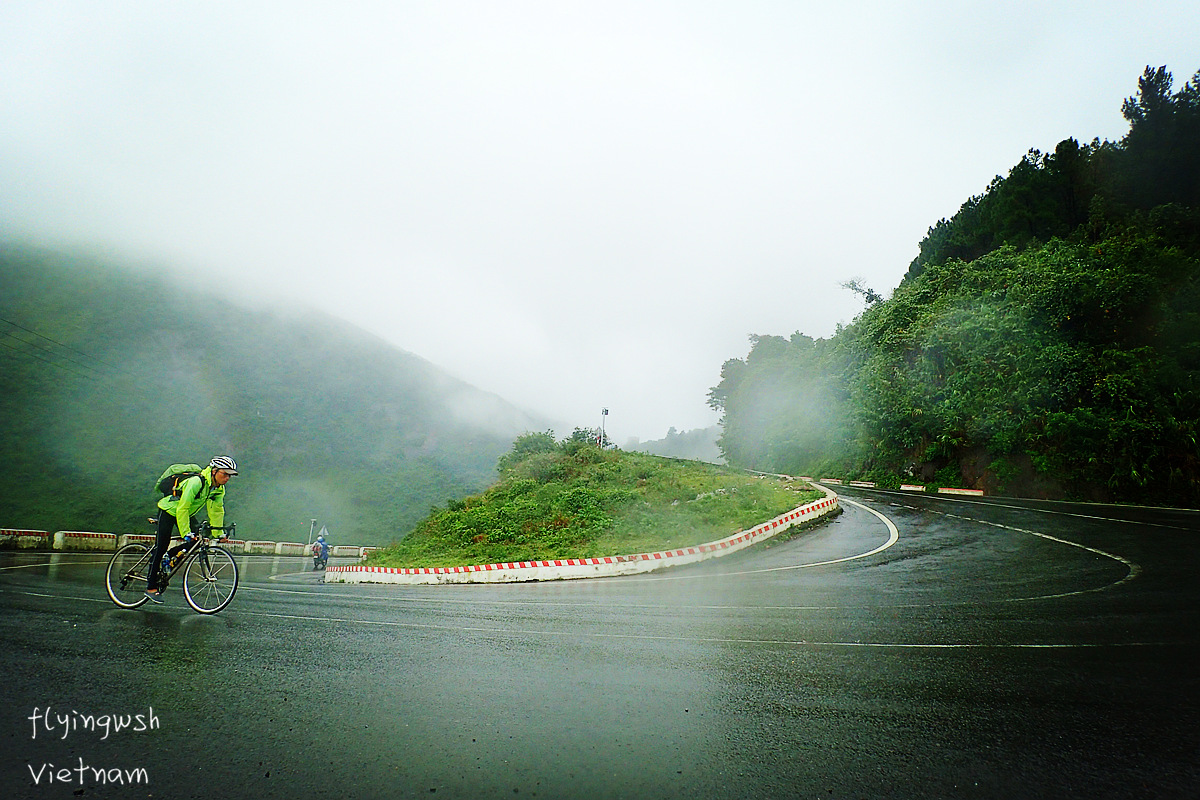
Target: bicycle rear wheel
pixel 210 579
pixel 125 578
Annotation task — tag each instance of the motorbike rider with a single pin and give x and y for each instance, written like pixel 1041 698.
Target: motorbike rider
pixel 320 551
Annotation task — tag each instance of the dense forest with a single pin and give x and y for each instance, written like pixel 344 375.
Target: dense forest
pixel 112 372
pixel 1045 341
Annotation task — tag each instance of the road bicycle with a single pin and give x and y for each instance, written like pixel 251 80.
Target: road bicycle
pixel 210 575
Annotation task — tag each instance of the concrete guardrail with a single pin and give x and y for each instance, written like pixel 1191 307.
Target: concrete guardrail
pixel 138 538
pixel 17 539
pixel 88 541
pixel 84 540
pixel 232 545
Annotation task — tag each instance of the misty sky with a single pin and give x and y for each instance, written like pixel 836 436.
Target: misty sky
pixel 573 205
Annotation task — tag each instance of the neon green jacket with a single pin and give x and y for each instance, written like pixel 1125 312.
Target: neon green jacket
pixel 195 492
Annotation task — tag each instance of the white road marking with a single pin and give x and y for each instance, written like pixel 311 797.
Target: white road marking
pixel 893 537
pixel 960 499
pixel 1132 570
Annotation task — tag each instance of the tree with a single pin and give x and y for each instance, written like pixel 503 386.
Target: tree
pixel 592 436
pixel 1159 161
pixel 868 294
pixel 525 445
pixel 1153 99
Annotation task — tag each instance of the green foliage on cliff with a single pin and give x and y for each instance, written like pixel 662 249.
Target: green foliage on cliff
pixel 573 499
pixel 1045 342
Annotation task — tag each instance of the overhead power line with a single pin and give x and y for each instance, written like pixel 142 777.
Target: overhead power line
pixel 90 376
pixel 84 364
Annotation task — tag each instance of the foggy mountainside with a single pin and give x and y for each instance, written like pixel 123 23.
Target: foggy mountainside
pixel 111 374
pixel 699 444
pixel 1045 342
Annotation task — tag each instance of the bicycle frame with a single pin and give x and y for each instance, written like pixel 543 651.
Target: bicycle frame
pixel 210 573
pixel 198 549
pixel 202 543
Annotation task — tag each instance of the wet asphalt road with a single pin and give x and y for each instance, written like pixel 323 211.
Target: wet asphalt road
pixel 991 651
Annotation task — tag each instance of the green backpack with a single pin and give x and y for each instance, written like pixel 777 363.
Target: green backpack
pixel 170 483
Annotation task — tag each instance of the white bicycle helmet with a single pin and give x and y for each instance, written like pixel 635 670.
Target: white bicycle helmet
pixel 224 462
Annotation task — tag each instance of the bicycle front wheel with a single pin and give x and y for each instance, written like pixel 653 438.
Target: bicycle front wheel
pixel 125 578
pixel 210 579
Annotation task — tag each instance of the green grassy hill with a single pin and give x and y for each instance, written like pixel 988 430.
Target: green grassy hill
pixel 112 373
pixel 574 500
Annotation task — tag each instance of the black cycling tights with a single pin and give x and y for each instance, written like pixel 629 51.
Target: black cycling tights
pixel 166 524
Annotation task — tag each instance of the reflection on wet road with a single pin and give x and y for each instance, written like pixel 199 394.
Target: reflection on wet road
pixel 913 647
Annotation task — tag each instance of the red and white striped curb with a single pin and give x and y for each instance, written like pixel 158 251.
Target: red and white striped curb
pixel 569 568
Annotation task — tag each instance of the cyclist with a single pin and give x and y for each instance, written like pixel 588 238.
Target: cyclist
pixel 207 488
